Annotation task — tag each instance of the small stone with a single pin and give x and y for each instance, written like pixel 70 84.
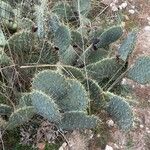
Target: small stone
pixel 131 11
pixel 116 146
pixel 123 5
pixel 133 7
pixel 148 131
pixel 63 147
pixel 108 147
pixel 124 81
pixel 98 135
pixel 141 126
pixel 147 28
pixel 114 8
pixel 110 123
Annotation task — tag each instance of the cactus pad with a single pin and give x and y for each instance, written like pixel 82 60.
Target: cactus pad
pixel 20 116
pixel 76 98
pixel 63 10
pixel 51 83
pixel 82 6
pixel 106 68
pixel 78 120
pixel 45 106
pixel 62 38
pixel 4 59
pixel 2 39
pixel 5 109
pixel 127 46
pixel 140 71
pixel 68 57
pixel 120 111
pixel 6 11
pixel 109 36
pixel 95 93
pixel 21 42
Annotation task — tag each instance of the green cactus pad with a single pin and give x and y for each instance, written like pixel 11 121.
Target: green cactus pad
pixel 120 111
pixel 63 10
pixel 5 109
pixel 82 6
pixel 45 106
pixel 98 55
pixel 109 36
pixel 108 68
pixel 95 93
pixel 78 120
pixel 95 34
pixel 76 98
pixel 25 100
pixel 68 57
pixel 62 38
pixel 3 123
pixel 26 24
pixel 4 59
pixel 91 56
pixel 77 39
pixel 53 22
pixel 20 116
pixel 44 54
pixel 127 46
pixel 21 42
pixel 2 39
pixel 84 23
pixel 140 71
pixel 72 72
pixel 6 11
pixel 51 83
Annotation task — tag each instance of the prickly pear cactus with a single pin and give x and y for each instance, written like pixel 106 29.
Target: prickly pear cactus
pixel 5 109
pixel 45 106
pixel 108 68
pixel 51 83
pixel 4 59
pixel 6 11
pixel 77 120
pixel 140 71
pixel 127 46
pixel 109 36
pixel 21 42
pixel 2 39
pixel 55 94
pixel 82 6
pixel 63 10
pixel 76 99
pixel 62 38
pixel 20 116
pixel 69 66
pixel 119 110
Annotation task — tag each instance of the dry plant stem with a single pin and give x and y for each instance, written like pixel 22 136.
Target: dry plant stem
pixel 101 12
pixel 65 139
pixel 117 80
pixel 2 142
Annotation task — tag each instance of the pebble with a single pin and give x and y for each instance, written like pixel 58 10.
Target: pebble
pixel 123 5
pixel 113 7
pixel 141 126
pixel 108 147
pixel 131 11
pixel 147 28
pixel 110 123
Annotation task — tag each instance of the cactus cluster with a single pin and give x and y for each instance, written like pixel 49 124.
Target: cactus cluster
pixel 82 71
